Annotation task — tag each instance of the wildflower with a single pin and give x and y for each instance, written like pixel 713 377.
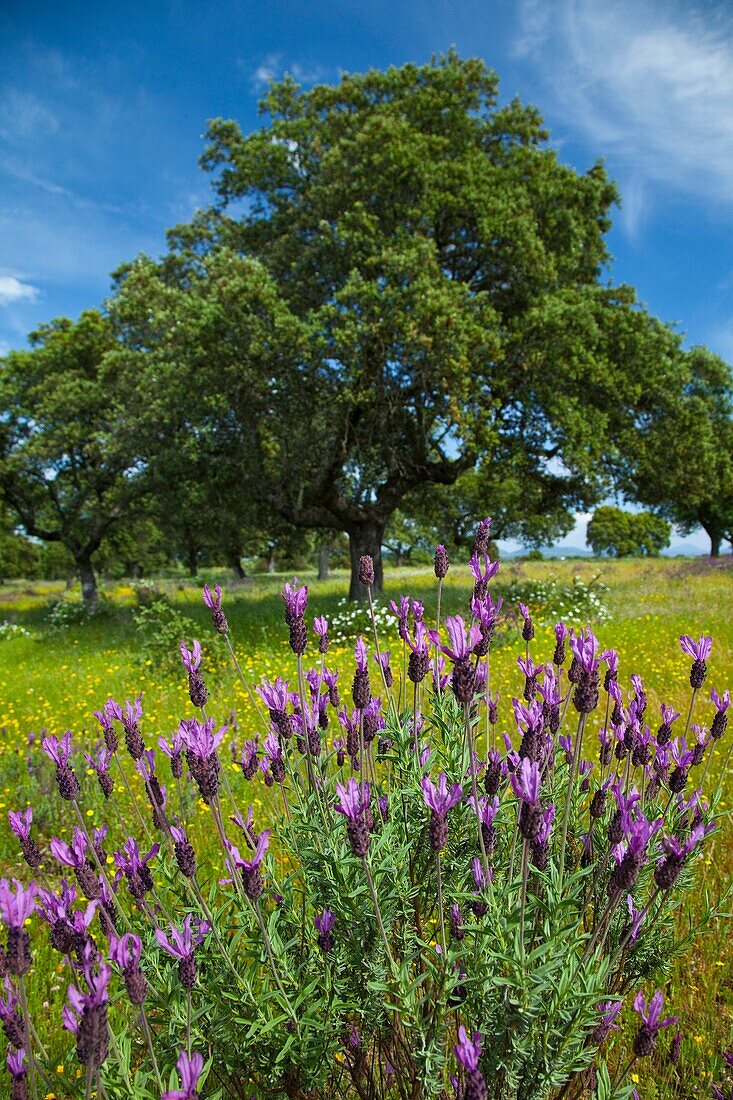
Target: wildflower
pixel 486 812
pixel 541 842
pixel 699 652
pixel 584 647
pixel 459 651
pixel 683 758
pixel 20 823
pixel 366 570
pixel 401 612
pixel 720 721
pixel 16 1069
pixel 12 1021
pixel 382 660
pixel 330 679
pixel 182 946
pixel 296 601
pixel 354 800
pixel 75 856
pixel 134 867
pixel 440 562
pixel 184 853
pixel 439 801
pixel 101 768
pixel 525 783
pixel 324 924
pixel 110 737
pixel 213 602
pixel 130 719
pixel 481 538
pixel 16 905
pixel 457 930
pixel 320 627
pixel 361 690
pixel 609 1012
pixel 669 715
pixel 561 633
pixel 60 751
pixel 196 687
pixel 630 856
pixel 528 627
pixel 86 1016
pixel 651 1024
pixel 125 952
pixel 667 870
pixel 201 743
pixel 482 575
pixel 468 1052
pixel 189 1071
pixel 418 664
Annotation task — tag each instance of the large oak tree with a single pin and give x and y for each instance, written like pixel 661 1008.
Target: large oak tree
pixel 398 281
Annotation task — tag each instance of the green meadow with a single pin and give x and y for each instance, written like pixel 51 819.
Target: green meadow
pixel 52 678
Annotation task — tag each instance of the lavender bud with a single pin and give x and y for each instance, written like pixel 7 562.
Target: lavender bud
pixel 418 666
pixel 698 672
pixel 366 570
pixel 361 689
pixel 219 619
pixel 463 680
pixel 438 831
pixel 197 688
pixel 440 562
pixel 298 635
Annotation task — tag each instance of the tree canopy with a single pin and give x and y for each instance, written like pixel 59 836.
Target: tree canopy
pixel 624 534
pixel 62 473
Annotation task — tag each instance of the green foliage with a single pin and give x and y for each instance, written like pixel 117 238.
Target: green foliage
pixel 681 463
pixel 160 627
pixel 70 610
pixel 622 534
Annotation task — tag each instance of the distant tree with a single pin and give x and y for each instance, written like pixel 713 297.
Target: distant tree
pixel 625 534
pixel 400 281
pixel 682 460
pixel 61 475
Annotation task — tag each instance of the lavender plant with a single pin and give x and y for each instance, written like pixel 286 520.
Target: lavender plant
pixel 447 900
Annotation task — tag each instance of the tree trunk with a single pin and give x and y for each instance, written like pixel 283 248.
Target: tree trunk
pixel 192 559
pixel 715 537
pixel 271 560
pixel 323 552
pixel 235 564
pixel 89 593
pixel 365 539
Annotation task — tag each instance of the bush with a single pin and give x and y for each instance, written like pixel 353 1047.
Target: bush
pixel 431 903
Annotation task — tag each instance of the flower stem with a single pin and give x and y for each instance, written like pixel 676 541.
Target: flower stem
pixel 569 796
pixel 440 906
pixel 149 1041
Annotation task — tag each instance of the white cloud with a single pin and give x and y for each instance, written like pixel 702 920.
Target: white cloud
pixel 23 118
pixel 13 290
pixel 651 84
pixel 274 67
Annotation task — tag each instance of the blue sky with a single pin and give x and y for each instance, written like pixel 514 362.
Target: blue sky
pixel 103 106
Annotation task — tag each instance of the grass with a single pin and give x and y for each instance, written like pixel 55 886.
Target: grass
pixel 54 681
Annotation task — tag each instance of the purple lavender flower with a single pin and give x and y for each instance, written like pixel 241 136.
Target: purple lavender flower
pixel 320 627
pixel 174 751
pixel 440 561
pixel 440 800
pixel 60 752
pixel 134 867
pixel 126 952
pixel 528 625
pixel 720 721
pixel 213 602
pixel 699 652
pixel 418 664
pixel 16 1069
pixel 354 804
pixel 486 810
pixel 561 633
pixel 201 743
pixel 468 1051
pixel 401 613
pixel 130 719
pixel 361 690
pixel 20 823
pixel 324 924
pixel 86 1016
pixel 651 1023
pixel 182 946
pixel 609 1013
pixel 12 1021
pixel 482 575
pixel 189 1071
pixel 250 868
